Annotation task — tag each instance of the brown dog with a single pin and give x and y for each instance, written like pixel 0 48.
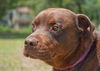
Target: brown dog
pixel 63 39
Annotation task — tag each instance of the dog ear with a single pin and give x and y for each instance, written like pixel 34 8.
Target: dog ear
pixel 84 23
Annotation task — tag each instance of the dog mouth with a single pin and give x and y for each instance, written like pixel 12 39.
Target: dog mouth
pixel 42 54
pixel 38 56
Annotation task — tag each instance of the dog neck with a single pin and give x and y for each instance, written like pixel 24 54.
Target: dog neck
pixel 80 61
pixel 78 58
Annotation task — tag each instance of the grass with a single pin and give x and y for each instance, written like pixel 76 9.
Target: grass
pixel 9 59
pixel 12 59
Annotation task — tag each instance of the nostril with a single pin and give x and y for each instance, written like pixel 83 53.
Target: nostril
pixel 31 44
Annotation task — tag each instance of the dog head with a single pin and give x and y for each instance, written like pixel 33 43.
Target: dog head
pixel 57 33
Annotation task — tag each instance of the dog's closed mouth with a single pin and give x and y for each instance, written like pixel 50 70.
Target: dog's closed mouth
pixel 29 56
pixel 41 54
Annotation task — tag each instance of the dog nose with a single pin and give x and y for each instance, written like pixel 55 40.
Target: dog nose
pixel 31 42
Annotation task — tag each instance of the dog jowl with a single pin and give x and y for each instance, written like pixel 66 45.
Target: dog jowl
pixel 60 37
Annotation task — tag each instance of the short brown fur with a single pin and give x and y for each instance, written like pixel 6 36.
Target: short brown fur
pixel 62 43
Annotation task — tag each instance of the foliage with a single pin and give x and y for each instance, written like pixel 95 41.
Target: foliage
pixel 88 7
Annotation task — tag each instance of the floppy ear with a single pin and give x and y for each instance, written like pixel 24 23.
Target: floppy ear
pixel 86 27
pixel 84 23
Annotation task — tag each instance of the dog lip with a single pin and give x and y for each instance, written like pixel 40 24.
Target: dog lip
pixel 29 55
pixel 39 55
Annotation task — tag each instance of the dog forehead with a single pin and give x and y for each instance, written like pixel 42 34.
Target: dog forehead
pixel 56 11
pixel 52 15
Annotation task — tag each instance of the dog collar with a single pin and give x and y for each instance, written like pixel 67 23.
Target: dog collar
pixel 82 58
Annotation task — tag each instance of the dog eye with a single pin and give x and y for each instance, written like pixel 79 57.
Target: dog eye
pixel 55 28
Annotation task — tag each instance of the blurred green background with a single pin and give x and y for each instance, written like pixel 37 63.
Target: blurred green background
pixel 15 24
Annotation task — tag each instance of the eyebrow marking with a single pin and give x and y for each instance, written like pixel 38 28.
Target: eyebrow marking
pixel 36 20
pixel 51 21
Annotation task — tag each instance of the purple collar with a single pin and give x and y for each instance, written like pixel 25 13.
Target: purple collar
pixel 82 58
